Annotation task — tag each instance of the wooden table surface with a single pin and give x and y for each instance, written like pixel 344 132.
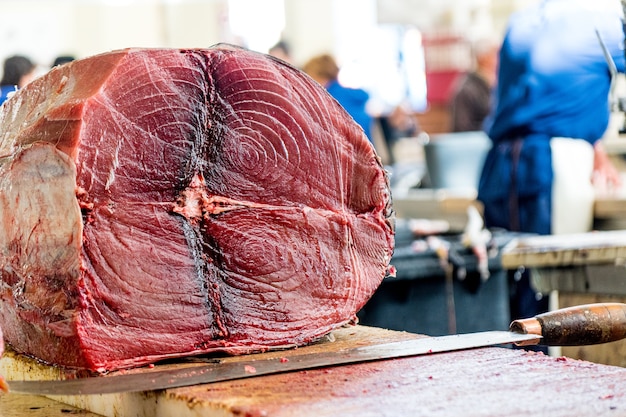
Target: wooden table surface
pixel 598 247
pixel 491 381
pixel 14 405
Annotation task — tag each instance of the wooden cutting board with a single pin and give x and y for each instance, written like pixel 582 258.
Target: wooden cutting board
pixel 14 405
pixel 480 382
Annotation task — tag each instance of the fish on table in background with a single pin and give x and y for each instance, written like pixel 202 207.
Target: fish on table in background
pixel 476 237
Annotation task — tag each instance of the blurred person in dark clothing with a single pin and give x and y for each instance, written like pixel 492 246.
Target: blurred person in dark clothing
pixel 471 99
pixel 18 71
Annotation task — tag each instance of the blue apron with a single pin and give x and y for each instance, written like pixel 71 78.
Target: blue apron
pixel 516 185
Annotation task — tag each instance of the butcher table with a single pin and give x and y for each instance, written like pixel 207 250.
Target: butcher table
pixel 493 381
pixel 581 268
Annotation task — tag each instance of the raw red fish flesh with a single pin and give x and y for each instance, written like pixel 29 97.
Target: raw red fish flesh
pixel 157 203
pixel 3 384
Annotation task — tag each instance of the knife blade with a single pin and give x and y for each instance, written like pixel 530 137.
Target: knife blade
pixel 587 324
pixel 224 371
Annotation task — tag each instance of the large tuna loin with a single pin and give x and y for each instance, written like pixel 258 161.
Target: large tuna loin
pixel 3 384
pixel 158 203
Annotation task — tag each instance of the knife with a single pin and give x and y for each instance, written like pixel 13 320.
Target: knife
pixel 579 325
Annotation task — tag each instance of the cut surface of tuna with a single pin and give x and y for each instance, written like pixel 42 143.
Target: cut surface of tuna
pixel 158 203
pixel 3 384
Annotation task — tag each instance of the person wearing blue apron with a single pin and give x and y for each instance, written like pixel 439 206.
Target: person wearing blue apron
pixel 553 82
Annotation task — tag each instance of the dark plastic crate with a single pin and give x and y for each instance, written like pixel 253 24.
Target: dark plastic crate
pixel 416 300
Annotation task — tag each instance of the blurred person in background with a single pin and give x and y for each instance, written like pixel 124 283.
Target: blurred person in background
pixel 471 98
pixel 18 71
pixel 324 69
pixel 281 50
pixel 552 88
pixel 62 59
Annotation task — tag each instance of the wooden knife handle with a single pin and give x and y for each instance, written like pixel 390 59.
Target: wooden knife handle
pixel 587 324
